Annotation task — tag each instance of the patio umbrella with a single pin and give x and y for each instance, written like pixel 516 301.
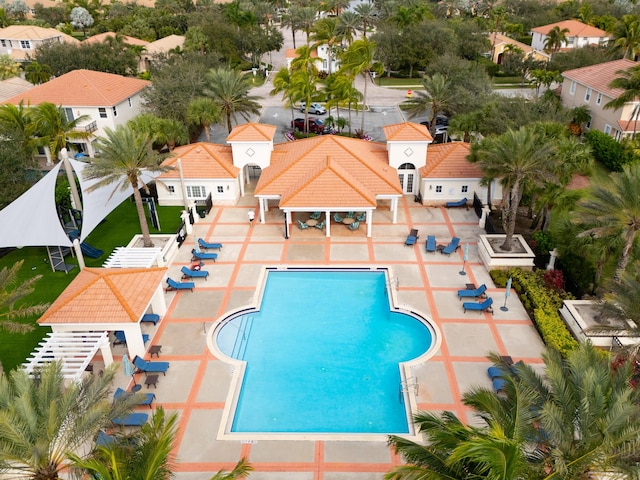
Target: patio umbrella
pixel 465 259
pixel 129 369
pixel 507 292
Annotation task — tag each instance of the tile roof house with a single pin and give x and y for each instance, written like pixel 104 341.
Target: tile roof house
pixel 19 41
pixel 321 52
pixel 590 86
pixel 499 43
pixel 108 100
pixel 329 173
pixel 579 35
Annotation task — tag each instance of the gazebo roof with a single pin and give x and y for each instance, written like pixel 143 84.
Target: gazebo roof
pixel 105 295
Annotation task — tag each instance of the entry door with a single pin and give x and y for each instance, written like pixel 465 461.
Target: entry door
pixel 407 176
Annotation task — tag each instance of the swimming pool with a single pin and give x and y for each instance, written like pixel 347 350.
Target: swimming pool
pixel 322 353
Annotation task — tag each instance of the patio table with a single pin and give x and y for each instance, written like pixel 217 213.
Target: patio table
pixel 348 221
pixel 311 222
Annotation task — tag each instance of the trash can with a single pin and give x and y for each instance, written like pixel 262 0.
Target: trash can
pixel 202 213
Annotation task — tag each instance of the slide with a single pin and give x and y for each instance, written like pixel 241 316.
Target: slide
pixel 90 251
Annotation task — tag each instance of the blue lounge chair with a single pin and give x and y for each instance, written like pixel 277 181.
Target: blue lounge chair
pixel 354 226
pixel 412 238
pixel 173 285
pixel 146 400
pixel 103 439
pixel 362 217
pixel 337 218
pixel 498 384
pixel 150 367
pixel 315 215
pixel 321 225
pixel 203 256
pixel 494 372
pixel 459 203
pixel 431 243
pixel 188 273
pixel 206 245
pixel 132 420
pixel 121 339
pixel 476 292
pixel 481 307
pixel 452 247
pixel 302 225
pixel 150 318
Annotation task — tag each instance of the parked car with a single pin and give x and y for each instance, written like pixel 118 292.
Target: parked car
pixel 315 125
pixel 314 108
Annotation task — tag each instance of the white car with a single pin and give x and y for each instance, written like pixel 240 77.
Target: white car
pixel 314 108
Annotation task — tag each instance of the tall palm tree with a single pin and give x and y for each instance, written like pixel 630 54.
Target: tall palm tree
pixel 37 73
pixel 145 455
pixel 435 99
pixel 555 39
pixel 125 154
pixel 326 32
pixel 626 33
pixel 203 112
pixel 307 17
pixel 12 292
pixel 341 92
pixel 366 15
pixel 282 84
pixel 17 123
pixel 348 25
pixel 611 209
pixel 358 59
pixel 230 90
pixel 519 158
pixel 55 129
pixel 629 81
pixel 42 418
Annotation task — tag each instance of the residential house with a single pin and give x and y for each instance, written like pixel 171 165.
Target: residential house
pixel 13 86
pixel 501 43
pixel 579 35
pixel 108 100
pixel 590 86
pixel 330 174
pixel 21 41
pixel 322 54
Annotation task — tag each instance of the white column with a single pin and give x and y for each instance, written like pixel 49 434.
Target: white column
pixel 185 218
pixel 158 303
pixel 241 179
pixel 135 345
pixel 369 222
pixel 261 203
pixel 76 247
pixel 327 218
pixel 483 218
pixel 107 355
pixel 194 212
pixel 552 260
pixel 266 204
pixel 394 208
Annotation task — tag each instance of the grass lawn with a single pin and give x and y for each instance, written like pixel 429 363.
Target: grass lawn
pixel 116 230
pixel 392 82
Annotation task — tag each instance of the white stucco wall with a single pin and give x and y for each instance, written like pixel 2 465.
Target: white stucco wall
pixel 451 190
pixel 230 191
pixel 407 152
pixel 251 153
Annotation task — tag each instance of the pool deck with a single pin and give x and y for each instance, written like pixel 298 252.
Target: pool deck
pixel 197 383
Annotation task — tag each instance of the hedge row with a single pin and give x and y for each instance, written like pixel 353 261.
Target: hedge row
pixel 608 151
pixel 542 304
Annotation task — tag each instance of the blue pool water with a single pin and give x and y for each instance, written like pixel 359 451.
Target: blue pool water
pixel 322 355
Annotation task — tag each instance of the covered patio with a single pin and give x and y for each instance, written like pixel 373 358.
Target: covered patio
pixel 328 174
pixel 109 299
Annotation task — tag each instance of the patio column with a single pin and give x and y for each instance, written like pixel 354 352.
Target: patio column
pixel 394 208
pixel 241 179
pixel 107 355
pixel 158 303
pixel 135 345
pixel 369 223
pixel 261 203
pixel 327 218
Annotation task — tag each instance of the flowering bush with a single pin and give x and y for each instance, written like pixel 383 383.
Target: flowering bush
pixel 554 280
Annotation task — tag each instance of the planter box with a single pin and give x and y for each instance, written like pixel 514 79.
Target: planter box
pixel 520 256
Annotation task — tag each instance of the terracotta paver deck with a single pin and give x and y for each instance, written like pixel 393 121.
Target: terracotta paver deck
pixel 197 383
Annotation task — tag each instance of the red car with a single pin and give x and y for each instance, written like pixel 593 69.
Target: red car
pixel 315 125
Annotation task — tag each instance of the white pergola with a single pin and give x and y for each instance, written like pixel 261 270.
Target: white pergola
pixel 74 349
pixel 134 257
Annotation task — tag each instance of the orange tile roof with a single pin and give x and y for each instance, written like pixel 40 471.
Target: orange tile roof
pixel 105 295
pixel 102 37
pixel 164 44
pixel 32 32
pixel 500 39
pixel 202 160
pixel 598 77
pixel 337 171
pixel 449 160
pixel 576 29
pixel 82 88
pixel 291 53
pixel 407 132
pixel 628 126
pixel 252 132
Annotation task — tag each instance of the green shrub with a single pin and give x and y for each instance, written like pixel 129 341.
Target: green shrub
pixel 608 151
pixel 499 278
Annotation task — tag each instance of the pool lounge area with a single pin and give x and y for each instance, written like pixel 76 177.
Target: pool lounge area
pixel 199 383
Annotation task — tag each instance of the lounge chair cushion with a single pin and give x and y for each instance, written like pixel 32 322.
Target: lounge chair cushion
pixel 188 273
pixel 431 243
pixel 150 367
pixel 132 420
pixel 150 318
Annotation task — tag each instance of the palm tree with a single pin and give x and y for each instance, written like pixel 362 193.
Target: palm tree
pixel 203 112
pixel 519 158
pixel 304 80
pixel 42 418
pixel 611 209
pixel 367 15
pixel 240 470
pixel 282 84
pixel 36 73
pixel 125 154
pixel 307 17
pixel 435 99
pixel 358 59
pixel 341 92
pixel 326 32
pixel 171 132
pixel 555 39
pixel 465 124
pixel 629 81
pixel 8 67
pixel 56 129
pixel 348 25
pixel 145 455
pixel 11 293
pixel 626 33
pixel 229 89
pixel 17 123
